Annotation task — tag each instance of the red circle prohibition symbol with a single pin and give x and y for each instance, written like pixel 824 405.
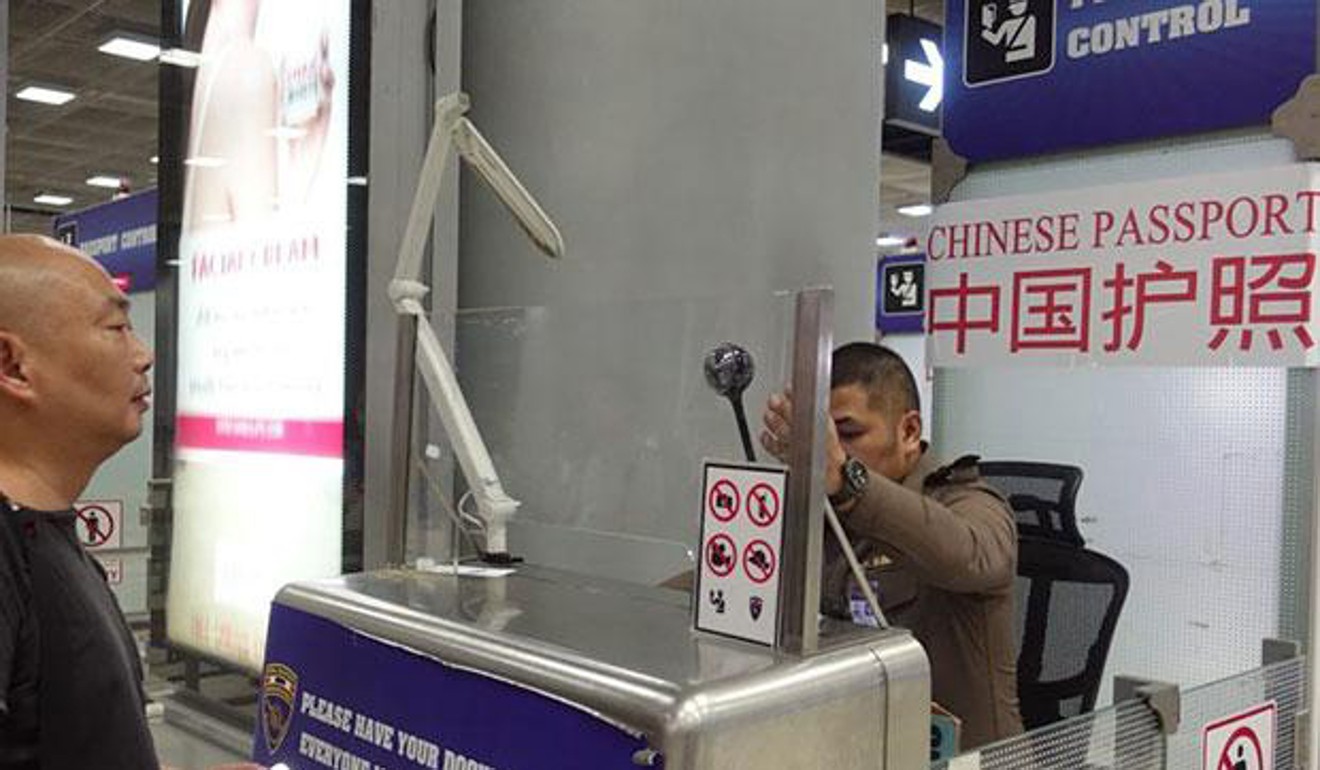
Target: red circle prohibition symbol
pixel 758 561
pixel 721 554
pixel 1248 735
pixel 763 505
pixel 93 523
pixel 723 500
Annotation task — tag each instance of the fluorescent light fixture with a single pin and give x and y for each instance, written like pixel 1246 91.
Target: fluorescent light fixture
pixel 203 161
pixel 890 241
pixel 916 210
pixel 130 47
pixel 52 200
pixel 109 182
pixel 155 159
pixel 884 54
pixel 287 132
pixel 181 57
pixel 44 95
pixel 357 181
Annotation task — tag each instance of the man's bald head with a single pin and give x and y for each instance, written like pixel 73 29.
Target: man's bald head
pixel 41 279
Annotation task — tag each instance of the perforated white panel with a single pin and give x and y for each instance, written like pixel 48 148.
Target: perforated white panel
pixel 1185 468
pixel 1184 480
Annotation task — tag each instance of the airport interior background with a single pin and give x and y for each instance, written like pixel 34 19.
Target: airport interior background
pixel 708 161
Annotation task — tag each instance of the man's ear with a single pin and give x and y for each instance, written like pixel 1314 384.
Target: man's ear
pixel 909 428
pixel 14 380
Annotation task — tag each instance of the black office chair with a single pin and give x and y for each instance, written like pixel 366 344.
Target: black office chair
pixel 1043 497
pixel 1068 603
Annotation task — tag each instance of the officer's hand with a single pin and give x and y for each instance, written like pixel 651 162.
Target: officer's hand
pixel 776 440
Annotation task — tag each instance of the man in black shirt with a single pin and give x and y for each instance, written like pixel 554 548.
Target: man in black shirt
pixel 73 389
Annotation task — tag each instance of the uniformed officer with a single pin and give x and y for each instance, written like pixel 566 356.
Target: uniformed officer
pixel 947 540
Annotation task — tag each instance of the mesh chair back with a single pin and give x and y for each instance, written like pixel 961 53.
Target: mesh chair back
pixel 1043 496
pixel 1068 603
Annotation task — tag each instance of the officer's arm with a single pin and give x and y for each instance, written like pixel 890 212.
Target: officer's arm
pixel 967 544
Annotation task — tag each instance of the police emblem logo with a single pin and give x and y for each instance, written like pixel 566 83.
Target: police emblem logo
pixel 279 687
pixel 754 606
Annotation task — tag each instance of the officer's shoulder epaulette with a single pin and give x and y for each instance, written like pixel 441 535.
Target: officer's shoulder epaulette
pixel 964 470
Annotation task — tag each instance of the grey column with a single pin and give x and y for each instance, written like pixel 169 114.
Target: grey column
pixel 403 91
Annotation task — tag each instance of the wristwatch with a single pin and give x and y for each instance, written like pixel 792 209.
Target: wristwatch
pixel 855 477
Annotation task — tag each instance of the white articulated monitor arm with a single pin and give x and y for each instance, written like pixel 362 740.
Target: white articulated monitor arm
pixel 453 130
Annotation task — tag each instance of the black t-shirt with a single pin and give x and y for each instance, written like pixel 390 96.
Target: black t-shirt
pixel 70 676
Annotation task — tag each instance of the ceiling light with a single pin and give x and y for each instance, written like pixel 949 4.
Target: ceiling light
pixel 110 182
pixel 181 57
pixel 890 241
pixel 287 132
pixel 53 200
pixel 203 161
pixel 130 47
pixel 357 181
pixel 45 95
pixel 155 159
pixel 916 210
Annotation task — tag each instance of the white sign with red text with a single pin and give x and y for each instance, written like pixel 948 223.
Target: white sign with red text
pixel 1210 270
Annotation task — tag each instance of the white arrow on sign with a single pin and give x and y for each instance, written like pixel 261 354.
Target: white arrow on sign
pixel 929 73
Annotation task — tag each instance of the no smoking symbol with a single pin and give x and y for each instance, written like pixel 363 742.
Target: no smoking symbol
pixel 723 500
pixel 721 554
pixel 763 505
pixel 758 561
pixel 98 525
pixel 1242 752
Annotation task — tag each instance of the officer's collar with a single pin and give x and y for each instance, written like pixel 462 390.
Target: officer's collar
pixel 926 465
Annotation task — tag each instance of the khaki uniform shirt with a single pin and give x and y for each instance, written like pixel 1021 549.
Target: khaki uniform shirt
pixel 951 543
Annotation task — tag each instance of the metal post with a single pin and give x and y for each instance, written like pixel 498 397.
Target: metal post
pixel 396 515
pixel 813 342
pixel 1310 588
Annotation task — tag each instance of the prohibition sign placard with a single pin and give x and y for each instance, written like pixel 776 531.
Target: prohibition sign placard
pixel 742 520
pixel 763 505
pixel 98 524
pixel 723 500
pixel 758 561
pixel 1244 741
pixel 721 554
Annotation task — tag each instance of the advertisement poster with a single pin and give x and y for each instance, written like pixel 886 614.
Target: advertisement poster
pixel 261 318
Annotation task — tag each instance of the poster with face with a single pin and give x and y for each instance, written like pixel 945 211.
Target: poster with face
pixel 259 434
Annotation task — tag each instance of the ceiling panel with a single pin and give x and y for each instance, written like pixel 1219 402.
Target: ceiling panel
pixel 111 126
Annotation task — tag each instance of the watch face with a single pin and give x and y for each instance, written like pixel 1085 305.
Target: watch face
pixel 856 473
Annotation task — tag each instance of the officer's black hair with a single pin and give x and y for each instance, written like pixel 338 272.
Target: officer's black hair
pixel 882 372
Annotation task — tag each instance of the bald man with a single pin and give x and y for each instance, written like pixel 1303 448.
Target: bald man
pixel 73 389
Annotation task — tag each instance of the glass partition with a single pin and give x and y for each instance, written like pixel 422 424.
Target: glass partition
pixel 597 426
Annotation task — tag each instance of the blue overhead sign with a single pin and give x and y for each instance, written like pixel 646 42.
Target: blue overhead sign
pixel 121 235
pixel 900 294
pixel 1026 77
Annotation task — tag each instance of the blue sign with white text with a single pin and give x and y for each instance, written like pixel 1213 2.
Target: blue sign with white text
pixel 121 235
pixel 1033 76
pixel 332 697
